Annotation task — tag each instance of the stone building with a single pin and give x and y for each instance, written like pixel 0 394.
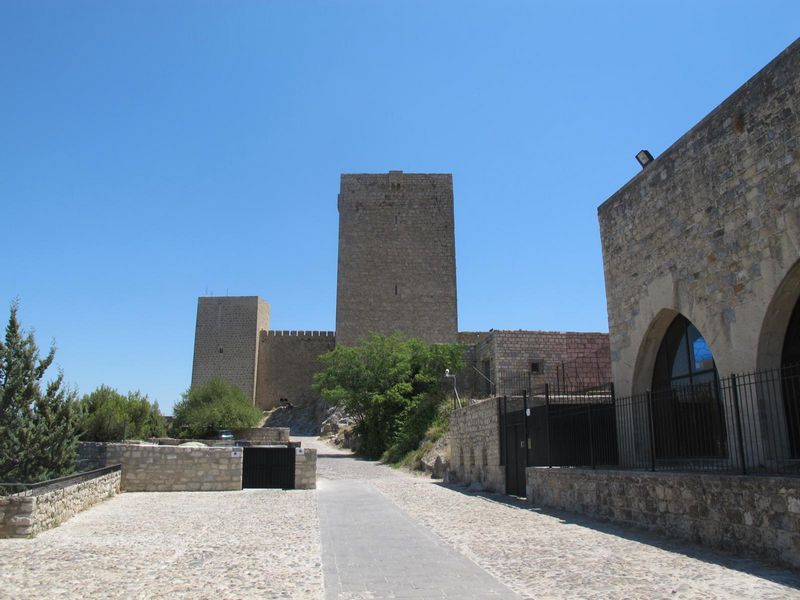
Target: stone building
pixel 396 273
pixel 397 257
pixel 701 252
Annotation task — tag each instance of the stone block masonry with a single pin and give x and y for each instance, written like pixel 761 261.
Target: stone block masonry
pixel 48 507
pixel 287 362
pixel 177 469
pixel 756 515
pixel 475 456
pixel 305 469
pixel 397 267
pixel 226 342
pixel 263 435
pixel 711 230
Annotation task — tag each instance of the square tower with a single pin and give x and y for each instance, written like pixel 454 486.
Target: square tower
pixel 226 340
pixel 397 263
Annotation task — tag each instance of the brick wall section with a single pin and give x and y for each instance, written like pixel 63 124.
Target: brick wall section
pixel 760 515
pixel 226 341
pixel 397 269
pixel 26 516
pixel 286 365
pixel 710 229
pixel 305 470
pixel 475 446
pixel 583 358
pixel 177 469
pixel 263 435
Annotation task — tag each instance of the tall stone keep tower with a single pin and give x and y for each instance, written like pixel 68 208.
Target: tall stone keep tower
pixel 226 340
pixel 397 265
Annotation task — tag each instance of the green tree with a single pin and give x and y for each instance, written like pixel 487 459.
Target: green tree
pixel 392 386
pixel 109 416
pixel 216 405
pixel 38 428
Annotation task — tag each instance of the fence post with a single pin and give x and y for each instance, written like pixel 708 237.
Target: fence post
pixel 547 421
pixel 505 433
pixel 652 431
pixel 739 436
pixel 525 423
pixel 591 438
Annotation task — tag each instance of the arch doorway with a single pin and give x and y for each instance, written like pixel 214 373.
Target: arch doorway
pixel 790 376
pixel 688 417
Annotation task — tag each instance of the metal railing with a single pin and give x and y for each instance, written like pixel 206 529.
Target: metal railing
pixel 744 424
pixel 41 487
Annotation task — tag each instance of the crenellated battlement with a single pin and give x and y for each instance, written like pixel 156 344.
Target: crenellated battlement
pixel 299 333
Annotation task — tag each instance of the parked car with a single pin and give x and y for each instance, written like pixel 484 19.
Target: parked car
pixel 224 434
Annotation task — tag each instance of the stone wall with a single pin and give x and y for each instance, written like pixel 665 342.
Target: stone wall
pixel 48 507
pixel 287 363
pixel 711 229
pixel 760 515
pixel 176 468
pixel 263 435
pixel 397 268
pixel 91 455
pixel 226 341
pixel 305 469
pixel 475 456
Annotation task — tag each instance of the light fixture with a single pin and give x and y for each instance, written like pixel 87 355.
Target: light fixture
pixel 644 158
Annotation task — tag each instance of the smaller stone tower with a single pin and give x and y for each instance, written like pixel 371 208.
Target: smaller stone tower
pixel 397 264
pixel 226 341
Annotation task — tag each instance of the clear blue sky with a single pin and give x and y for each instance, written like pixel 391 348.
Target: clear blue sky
pixel 151 152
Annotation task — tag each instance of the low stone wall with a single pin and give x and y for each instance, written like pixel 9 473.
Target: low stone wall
pixel 475 456
pixel 263 435
pixel 176 468
pixel 48 507
pixel 305 469
pixel 758 515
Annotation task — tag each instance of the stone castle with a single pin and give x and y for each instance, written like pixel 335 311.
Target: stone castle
pixel 396 273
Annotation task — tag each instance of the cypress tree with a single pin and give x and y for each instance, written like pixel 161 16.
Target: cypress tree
pixel 38 428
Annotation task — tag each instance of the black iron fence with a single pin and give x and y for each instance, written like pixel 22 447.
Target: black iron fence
pixel 740 424
pixel 41 487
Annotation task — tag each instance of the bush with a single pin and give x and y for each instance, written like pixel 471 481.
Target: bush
pixel 208 408
pixel 391 386
pixel 109 416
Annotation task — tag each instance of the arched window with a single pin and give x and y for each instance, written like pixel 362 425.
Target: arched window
pixel 688 418
pixel 790 378
pixel 684 358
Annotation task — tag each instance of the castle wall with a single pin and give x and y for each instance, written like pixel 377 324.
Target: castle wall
pixel 286 365
pixel 711 229
pixel 226 340
pixel 396 270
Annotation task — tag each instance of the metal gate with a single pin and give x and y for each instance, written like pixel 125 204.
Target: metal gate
pixel 515 453
pixel 268 468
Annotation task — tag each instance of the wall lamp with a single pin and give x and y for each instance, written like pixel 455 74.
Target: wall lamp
pixel 644 158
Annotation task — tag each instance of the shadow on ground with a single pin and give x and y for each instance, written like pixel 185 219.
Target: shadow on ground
pixel 756 567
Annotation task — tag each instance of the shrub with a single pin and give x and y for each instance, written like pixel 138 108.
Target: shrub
pixel 208 408
pixel 109 416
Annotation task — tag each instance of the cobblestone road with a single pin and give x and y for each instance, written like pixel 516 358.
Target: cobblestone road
pixel 249 544
pixel 268 544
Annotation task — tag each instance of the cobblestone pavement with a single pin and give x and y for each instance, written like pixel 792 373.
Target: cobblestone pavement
pixel 248 544
pixel 551 555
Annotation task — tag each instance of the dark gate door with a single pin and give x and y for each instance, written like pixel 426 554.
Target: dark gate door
pixel 268 468
pixel 515 454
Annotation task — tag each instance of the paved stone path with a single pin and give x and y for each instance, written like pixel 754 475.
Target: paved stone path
pixel 383 534
pixel 372 549
pixel 537 554
pixel 248 544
